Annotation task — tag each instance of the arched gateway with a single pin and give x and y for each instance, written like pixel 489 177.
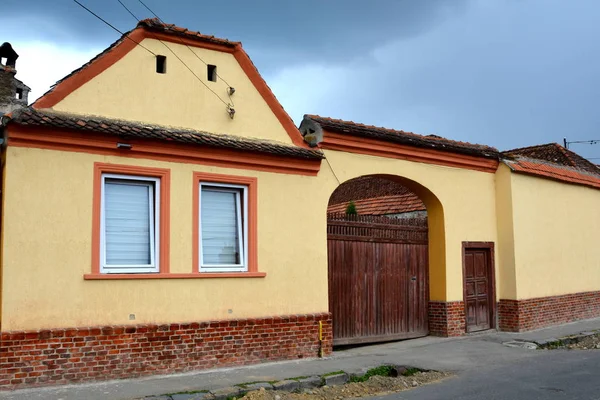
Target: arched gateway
pixel 392 279
pixel 378 261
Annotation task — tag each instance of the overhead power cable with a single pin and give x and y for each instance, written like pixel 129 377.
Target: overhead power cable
pixel 182 42
pixel 229 106
pixel 128 10
pixel 110 25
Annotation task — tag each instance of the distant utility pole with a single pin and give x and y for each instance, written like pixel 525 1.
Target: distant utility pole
pixel 566 144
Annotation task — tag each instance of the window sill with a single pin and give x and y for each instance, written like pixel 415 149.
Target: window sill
pixel 93 277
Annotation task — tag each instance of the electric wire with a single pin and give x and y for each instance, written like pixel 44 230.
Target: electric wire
pixel 197 56
pixel 110 25
pixel 129 11
pixel 171 50
pixel 190 49
pixel 334 174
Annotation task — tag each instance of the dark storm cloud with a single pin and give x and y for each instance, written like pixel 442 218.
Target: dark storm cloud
pixel 502 72
pixel 296 28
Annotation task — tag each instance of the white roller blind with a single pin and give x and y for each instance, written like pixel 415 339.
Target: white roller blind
pixel 220 220
pixel 128 222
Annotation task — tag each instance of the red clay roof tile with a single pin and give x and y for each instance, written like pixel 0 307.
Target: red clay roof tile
pixel 553 161
pixel 554 171
pixel 384 205
pixel 553 153
pixel 403 137
pixel 53 119
pixel 155 24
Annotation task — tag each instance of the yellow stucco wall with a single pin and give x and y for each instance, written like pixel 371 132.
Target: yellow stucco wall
pixel 556 237
pixel 469 212
pixel 132 90
pixel 47 241
pixel 505 248
pixel 47 250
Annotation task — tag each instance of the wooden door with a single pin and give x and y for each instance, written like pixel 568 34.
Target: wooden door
pixel 479 287
pixel 378 279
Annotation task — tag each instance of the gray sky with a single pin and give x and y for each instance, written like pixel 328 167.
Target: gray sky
pixel 507 73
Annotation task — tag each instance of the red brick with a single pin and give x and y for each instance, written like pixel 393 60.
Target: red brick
pixel 110 352
pixel 524 315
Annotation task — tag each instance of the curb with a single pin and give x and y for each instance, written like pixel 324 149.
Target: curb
pixel 287 385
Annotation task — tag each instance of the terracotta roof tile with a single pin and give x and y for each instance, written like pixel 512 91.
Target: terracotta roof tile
pixel 156 25
pixel 128 129
pixel 553 153
pixel 366 187
pixel 554 171
pixel 383 205
pixel 402 137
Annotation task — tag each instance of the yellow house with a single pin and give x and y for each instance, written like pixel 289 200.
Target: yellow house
pixel 162 213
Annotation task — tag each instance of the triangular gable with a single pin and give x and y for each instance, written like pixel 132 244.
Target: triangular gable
pixel 153 29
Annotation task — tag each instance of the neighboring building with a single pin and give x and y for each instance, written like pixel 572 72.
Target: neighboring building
pixel 377 196
pixel 13 93
pixel 151 225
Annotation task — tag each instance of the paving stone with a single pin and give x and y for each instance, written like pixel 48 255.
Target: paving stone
pixel 258 386
pixel 192 396
pixel 225 393
pixel 545 342
pixel 310 382
pixel 287 386
pixel 337 379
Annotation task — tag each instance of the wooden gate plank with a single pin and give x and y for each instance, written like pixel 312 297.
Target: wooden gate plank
pixel 372 261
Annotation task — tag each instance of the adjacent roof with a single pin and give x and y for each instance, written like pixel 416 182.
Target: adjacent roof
pixel 408 138
pixel 384 205
pixel 366 187
pixel 374 196
pixel 554 153
pixel 128 129
pixel 555 162
pixel 556 172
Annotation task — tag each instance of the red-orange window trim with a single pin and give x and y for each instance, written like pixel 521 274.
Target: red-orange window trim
pixel 252 221
pixel 165 232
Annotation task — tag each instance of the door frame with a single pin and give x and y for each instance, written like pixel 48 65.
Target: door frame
pixel 489 246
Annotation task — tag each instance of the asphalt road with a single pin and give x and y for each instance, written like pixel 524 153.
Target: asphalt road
pixel 556 374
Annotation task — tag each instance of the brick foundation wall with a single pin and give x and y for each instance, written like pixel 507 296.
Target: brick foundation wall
pixel 447 318
pixel 525 315
pixel 62 356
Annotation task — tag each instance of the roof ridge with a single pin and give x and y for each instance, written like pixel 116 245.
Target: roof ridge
pixel 410 138
pixel 567 153
pixel 536 146
pixel 364 125
pixel 156 23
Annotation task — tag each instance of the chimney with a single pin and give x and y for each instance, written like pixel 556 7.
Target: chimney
pixel 13 92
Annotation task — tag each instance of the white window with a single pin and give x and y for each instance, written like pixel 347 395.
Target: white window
pixel 223 232
pixel 129 224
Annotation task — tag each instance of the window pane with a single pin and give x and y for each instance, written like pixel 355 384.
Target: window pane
pixel 127 222
pixel 220 240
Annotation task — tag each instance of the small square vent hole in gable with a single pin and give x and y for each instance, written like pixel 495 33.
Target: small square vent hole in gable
pixel 212 72
pixel 161 64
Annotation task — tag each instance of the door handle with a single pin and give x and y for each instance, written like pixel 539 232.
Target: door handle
pixel 414 278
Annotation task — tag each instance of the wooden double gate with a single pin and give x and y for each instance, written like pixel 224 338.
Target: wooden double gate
pixel 378 278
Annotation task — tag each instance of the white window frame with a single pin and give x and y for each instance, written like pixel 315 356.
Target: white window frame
pixel 242 219
pixel 154 208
